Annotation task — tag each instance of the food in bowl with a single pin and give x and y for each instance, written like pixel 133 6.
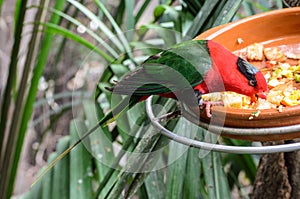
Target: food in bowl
pixel 281 68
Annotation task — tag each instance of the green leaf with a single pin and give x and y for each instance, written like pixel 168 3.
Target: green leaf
pixel 174 16
pixel 38 69
pixel 73 13
pixel 90 32
pixel 260 6
pixel 55 29
pixel 178 152
pixel 47 179
pixel 140 160
pixel 6 101
pixel 119 70
pixel 248 8
pixel 100 24
pixel 117 28
pixel 61 173
pixel 43 188
pixel 201 18
pixel 168 36
pixel 15 137
pixel 228 12
pixel 130 20
pixel 81 174
pixel 17 13
pixel 120 12
pixel 192 183
pixel 155 185
pixel 1 2
pixel 215 178
pixel 100 143
pixel 128 145
pixel 141 10
pixel 159 11
pixel 213 16
pixel 135 162
pixel 194 6
pixel 147 48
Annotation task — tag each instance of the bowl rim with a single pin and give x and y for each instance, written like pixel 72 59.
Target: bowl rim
pixel 218 30
pixel 215 32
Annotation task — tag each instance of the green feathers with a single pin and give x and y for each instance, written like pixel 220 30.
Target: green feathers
pixel 181 67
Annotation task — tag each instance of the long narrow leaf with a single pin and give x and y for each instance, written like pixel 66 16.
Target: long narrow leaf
pixel 120 12
pixel 47 180
pixel 61 172
pixel 14 132
pixel 130 20
pixel 100 143
pixel 117 28
pixel 155 185
pixel 248 7
pixel 228 12
pixel 89 31
pixel 1 2
pixel 213 16
pixel 62 45
pixel 168 36
pixel 215 178
pixel 175 179
pixel 200 18
pixel 127 146
pixel 80 165
pixel 17 13
pixel 37 73
pixel 43 188
pixel 100 24
pixel 135 162
pixel 12 72
pixel 151 160
pixel 6 183
pixel 192 181
pixel 53 28
pixel 141 11
pixel 150 163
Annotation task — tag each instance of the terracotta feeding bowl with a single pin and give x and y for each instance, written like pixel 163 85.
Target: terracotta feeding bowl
pixel 275 28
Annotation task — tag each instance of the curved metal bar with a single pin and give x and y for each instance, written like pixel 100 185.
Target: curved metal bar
pixel 243 131
pixel 218 147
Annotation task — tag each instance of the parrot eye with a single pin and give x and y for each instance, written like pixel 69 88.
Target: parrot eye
pixel 252 82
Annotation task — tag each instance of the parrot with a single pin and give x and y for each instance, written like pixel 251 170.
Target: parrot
pixel 200 66
pixel 203 66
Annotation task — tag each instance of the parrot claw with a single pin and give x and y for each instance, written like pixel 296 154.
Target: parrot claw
pixel 208 105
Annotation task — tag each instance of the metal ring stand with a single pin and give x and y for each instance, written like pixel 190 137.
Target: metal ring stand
pixel 226 148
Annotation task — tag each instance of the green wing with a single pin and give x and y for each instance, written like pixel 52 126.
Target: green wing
pixel 181 67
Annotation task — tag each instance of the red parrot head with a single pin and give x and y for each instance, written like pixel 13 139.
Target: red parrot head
pixel 257 84
pixel 237 74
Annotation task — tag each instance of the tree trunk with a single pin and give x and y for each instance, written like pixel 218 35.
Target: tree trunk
pixel 278 175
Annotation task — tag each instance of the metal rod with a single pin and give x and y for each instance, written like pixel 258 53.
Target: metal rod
pixel 224 148
pixel 243 131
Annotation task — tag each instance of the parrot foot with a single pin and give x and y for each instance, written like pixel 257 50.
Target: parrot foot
pixel 208 105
